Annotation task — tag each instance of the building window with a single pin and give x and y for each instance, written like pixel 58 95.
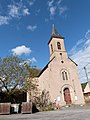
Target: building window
pixel 51 48
pixel 64 75
pixel 59 45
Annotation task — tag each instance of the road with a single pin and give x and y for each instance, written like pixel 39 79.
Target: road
pixel 72 113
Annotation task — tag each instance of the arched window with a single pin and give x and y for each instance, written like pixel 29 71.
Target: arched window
pixel 64 75
pixel 59 45
pixel 51 48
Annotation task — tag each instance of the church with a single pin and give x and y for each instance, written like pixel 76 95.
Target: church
pixel 60 76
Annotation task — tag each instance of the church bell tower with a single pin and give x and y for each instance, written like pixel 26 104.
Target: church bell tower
pixel 56 45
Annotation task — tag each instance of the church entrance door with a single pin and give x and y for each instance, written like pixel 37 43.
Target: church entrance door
pixel 67 96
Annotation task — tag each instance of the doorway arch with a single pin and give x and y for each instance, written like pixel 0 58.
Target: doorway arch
pixel 67 96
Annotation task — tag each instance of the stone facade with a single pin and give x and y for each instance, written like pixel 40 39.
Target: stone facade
pixel 60 76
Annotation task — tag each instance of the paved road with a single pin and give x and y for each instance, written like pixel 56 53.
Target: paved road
pixel 72 113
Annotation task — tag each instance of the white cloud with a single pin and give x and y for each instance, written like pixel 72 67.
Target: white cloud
pixel 31 2
pixel 62 9
pixel 26 11
pixel 55 6
pixel 32 28
pixel 13 10
pixel 18 10
pixel 21 50
pixel 76 47
pixel 4 20
pixel 29 61
pixel 87 35
pixel 33 60
pixel 52 11
pixel 50 3
pixel 59 2
pixel 80 53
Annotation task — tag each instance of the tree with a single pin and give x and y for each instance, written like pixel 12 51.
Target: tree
pixel 31 85
pixel 12 73
pixel 43 101
pixel 16 74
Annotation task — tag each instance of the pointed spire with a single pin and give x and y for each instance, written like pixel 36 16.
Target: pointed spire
pixel 54 32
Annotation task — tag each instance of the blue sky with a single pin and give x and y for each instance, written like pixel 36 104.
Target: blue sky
pixel 25 29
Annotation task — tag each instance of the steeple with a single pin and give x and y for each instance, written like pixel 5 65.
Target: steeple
pixel 56 44
pixel 55 34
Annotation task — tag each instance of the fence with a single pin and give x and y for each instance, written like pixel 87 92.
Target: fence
pixel 8 108
pixel 26 107
pixel 5 108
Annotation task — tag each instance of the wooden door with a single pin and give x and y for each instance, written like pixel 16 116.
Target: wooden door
pixel 67 96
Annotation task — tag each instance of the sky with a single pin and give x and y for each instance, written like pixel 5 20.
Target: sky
pixel 26 25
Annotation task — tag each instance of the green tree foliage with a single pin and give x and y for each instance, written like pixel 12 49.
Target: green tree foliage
pixel 12 73
pixel 15 96
pixel 16 74
pixel 31 85
pixel 43 101
pixel 83 85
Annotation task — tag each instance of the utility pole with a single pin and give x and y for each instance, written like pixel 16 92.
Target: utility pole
pixel 87 76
